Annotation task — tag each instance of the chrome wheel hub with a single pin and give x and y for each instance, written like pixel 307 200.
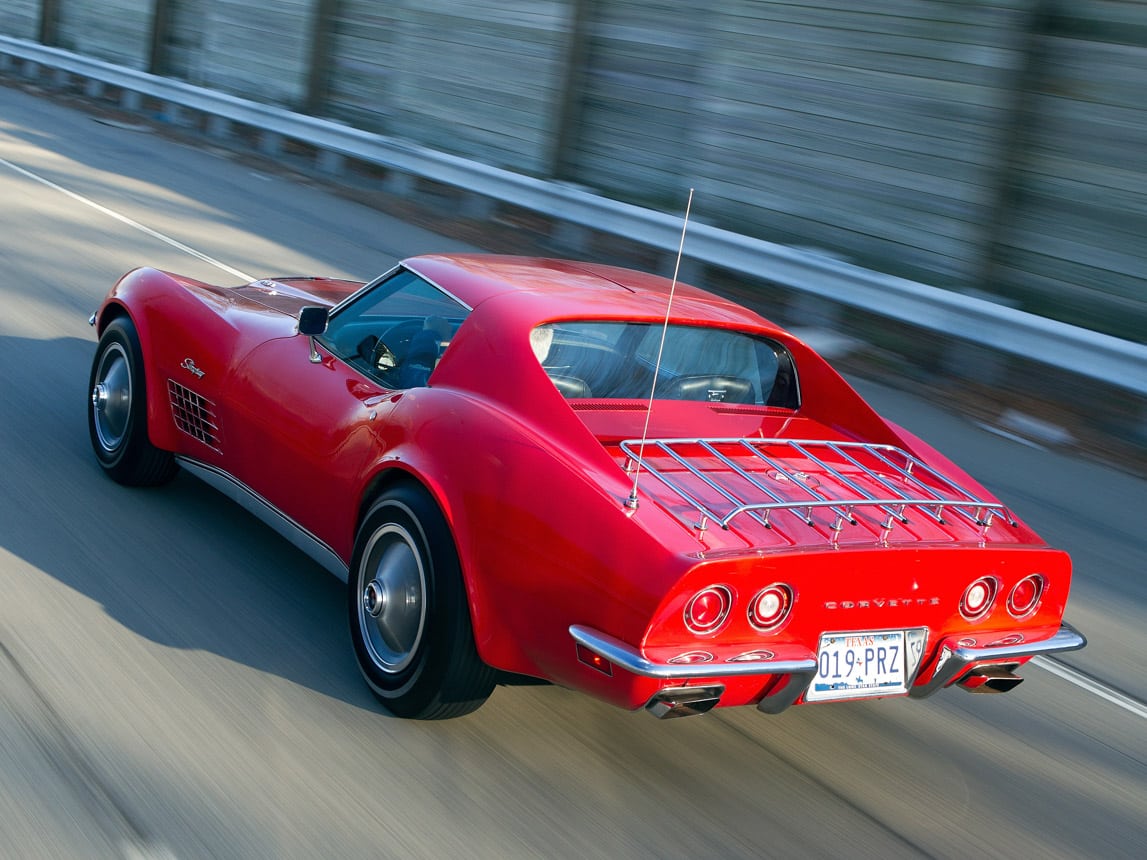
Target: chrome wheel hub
pixel 392 602
pixel 111 397
pixel 374 599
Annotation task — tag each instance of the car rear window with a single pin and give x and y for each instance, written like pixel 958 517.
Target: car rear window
pixel 594 359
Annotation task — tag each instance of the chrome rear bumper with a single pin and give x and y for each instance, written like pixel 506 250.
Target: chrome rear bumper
pixel 954 661
pixel 952 664
pixel 626 657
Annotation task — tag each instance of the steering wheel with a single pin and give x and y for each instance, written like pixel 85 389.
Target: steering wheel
pixel 393 343
pixel 382 358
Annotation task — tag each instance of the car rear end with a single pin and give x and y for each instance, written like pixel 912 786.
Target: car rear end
pixel 831 570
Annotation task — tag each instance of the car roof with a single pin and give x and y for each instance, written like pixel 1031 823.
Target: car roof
pixel 568 289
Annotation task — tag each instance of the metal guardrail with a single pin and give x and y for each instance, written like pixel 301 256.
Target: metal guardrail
pixel 1050 342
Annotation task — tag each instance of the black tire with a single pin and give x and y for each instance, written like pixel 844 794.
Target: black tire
pixel 117 411
pixel 416 653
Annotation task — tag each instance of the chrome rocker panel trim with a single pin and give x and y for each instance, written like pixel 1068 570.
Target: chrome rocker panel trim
pixel 259 507
pixel 953 663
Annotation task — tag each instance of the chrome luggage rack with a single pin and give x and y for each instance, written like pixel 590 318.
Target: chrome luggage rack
pixel 909 482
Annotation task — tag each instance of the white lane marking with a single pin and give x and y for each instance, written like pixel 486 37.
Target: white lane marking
pixel 1095 688
pixel 1007 434
pixel 147 851
pixel 175 243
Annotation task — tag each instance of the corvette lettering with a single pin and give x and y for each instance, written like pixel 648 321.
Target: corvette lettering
pixel 188 364
pixel 881 602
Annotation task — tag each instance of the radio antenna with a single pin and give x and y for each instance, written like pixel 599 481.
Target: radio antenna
pixel 631 502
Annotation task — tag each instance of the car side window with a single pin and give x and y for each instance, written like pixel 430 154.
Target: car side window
pixel 396 330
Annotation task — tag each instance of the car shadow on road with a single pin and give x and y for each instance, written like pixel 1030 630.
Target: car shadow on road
pixel 180 564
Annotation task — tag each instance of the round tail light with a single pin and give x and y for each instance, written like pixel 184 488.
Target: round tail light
pixel 770 607
pixel 978 598
pixel 1025 594
pixel 708 609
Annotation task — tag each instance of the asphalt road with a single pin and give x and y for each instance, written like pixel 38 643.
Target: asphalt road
pixel 176 681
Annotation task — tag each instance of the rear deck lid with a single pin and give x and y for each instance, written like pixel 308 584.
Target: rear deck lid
pixel 789 493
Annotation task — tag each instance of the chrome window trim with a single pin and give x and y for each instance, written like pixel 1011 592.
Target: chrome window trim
pixel 369 285
pixel 393 270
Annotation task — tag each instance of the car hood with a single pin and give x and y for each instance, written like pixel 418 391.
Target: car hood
pixel 288 295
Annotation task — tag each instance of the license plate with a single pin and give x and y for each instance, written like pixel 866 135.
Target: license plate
pixel 857 665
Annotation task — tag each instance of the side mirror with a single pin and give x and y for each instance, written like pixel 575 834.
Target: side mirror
pixel 313 322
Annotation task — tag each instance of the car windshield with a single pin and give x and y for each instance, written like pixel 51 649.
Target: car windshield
pixel 617 360
pixel 397 330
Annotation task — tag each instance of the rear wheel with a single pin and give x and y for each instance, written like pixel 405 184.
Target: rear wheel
pixel 409 615
pixel 117 411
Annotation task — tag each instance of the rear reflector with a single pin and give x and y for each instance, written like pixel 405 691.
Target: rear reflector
pixel 594 661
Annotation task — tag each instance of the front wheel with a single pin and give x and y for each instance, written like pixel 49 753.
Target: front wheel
pixel 409 615
pixel 117 411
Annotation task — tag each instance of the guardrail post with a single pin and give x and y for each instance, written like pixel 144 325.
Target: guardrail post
pixel 689 271
pixel 399 183
pixel 174 114
pixel 328 161
pixel 270 143
pixel 973 362
pixel 572 237
pixel 218 126
pixel 808 310
pixel 476 206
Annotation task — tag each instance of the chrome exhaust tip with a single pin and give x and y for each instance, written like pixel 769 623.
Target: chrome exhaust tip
pixel 684 701
pixel 991 679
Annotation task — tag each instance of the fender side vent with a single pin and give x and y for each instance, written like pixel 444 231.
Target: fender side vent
pixel 194 415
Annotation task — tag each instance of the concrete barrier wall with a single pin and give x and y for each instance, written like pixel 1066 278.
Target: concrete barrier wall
pixel 990 146
pixel 20 18
pixel 1069 237
pixel 260 50
pixel 481 79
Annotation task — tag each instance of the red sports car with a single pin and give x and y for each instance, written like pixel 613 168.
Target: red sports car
pixel 580 474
